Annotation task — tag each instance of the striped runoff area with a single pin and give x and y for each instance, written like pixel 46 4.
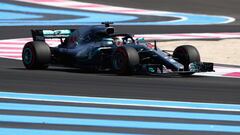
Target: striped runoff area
pixel 178 18
pixel 43 114
pixel 12 49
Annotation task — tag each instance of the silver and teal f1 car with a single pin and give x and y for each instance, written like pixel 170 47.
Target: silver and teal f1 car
pixel 98 48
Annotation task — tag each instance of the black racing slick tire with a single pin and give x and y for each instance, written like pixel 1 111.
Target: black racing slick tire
pixel 36 55
pixel 125 59
pixel 185 55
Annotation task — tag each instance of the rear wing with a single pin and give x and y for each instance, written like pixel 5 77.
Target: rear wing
pixel 41 35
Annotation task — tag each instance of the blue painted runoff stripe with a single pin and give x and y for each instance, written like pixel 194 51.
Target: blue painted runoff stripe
pixel 86 18
pixel 118 112
pixel 81 17
pixel 118 123
pixel 121 101
pixel 19 131
pixel 8 15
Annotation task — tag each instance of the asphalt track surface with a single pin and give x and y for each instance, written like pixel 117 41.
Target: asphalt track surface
pixel 66 81
pixel 15 77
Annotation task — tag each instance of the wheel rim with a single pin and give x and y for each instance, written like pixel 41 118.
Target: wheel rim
pixel 27 56
pixel 118 61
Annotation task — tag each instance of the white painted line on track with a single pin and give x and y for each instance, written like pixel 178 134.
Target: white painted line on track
pixel 122 101
pixel 118 112
pixel 182 18
pixel 24 131
pixel 114 123
pixel 119 123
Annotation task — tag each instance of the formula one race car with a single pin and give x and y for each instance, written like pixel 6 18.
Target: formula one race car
pixel 98 48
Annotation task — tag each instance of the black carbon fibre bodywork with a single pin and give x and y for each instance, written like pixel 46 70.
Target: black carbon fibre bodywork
pixel 93 48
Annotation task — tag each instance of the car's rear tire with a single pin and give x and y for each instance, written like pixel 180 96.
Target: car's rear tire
pixel 125 59
pixel 185 55
pixel 36 55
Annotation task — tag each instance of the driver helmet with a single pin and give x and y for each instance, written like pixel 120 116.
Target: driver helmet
pixel 118 41
pixel 140 41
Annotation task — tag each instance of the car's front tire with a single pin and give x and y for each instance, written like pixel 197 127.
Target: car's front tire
pixel 125 59
pixel 185 55
pixel 36 55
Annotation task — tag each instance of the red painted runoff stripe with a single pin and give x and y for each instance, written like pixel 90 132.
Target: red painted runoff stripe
pixel 234 74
